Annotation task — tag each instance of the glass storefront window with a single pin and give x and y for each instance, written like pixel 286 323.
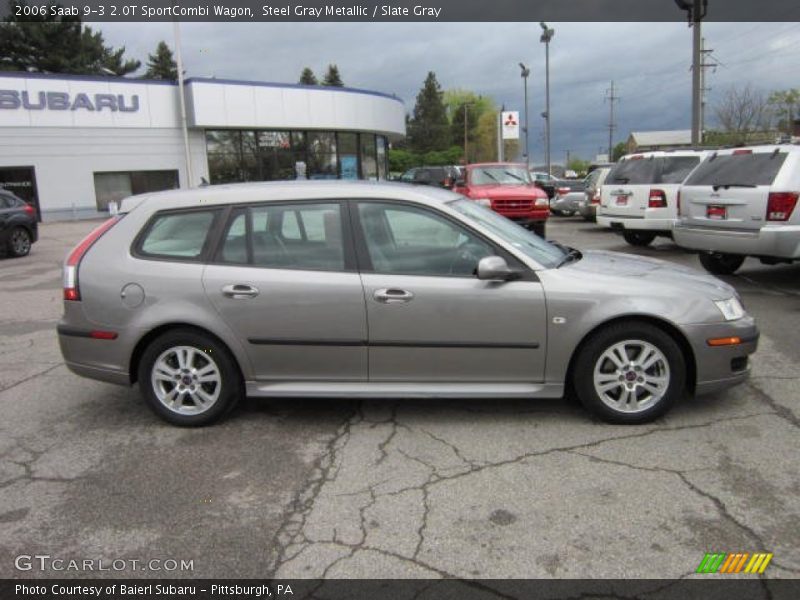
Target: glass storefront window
pixel 380 142
pixel 322 163
pixel 348 155
pixel 369 162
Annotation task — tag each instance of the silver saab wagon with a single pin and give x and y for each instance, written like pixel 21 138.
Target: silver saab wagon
pixel 335 289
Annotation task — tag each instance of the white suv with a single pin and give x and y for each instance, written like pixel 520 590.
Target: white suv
pixel 741 202
pixel 639 196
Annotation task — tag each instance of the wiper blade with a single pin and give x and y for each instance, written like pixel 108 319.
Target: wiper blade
pixel 517 177
pixel 622 179
pixel 716 186
pixel 571 255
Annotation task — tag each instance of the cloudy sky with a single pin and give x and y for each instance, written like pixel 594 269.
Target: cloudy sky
pixel 648 62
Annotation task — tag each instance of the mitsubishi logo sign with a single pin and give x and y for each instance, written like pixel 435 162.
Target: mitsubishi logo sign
pixel 510 120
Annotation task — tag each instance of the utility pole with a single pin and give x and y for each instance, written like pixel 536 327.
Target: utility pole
pixel 695 11
pixel 705 64
pixel 546 37
pixel 525 74
pixel 611 98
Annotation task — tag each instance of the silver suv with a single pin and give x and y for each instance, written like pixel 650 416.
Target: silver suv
pixel 742 202
pixel 342 289
pixel 639 196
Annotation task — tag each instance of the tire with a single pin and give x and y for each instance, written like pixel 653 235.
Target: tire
pixel 719 263
pixel 645 392
pixel 199 352
pixel 538 227
pixel 19 242
pixel 638 238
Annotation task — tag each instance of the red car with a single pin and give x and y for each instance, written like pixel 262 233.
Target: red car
pixel 509 190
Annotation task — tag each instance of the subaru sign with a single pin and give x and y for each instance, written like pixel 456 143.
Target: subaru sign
pixel 13 99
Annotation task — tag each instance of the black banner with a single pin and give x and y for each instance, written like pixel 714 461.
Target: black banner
pixel 705 588
pixel 404 10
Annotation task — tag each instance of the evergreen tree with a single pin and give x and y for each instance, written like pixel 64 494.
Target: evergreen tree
pixel 429 129
pixel 307 77
pixel 332 77
pixel 55 44
pixel 161 65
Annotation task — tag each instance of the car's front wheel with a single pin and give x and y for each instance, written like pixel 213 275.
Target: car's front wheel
pixel 188 378
pixel 19 242
pixel 719 263
pixel 638 238
pixel 630 373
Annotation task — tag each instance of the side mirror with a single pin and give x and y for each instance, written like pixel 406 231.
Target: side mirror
pixel 495 268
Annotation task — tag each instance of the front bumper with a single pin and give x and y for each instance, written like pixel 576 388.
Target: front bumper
pixel 779 241
pixel 722 367
pixel 636 223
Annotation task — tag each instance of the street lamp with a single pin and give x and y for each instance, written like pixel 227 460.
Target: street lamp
pixel 525 72
pixel 547 35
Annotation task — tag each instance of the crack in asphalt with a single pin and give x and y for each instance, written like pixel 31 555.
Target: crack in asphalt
pixel 326 466
pixel 34 376
pixel 783 412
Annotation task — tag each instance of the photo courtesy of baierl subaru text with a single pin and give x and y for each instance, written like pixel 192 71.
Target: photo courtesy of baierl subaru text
pixel 399 300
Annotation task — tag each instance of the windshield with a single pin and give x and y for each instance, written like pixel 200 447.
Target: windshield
pixel 502 175
pixel 745 168
pixel 520 238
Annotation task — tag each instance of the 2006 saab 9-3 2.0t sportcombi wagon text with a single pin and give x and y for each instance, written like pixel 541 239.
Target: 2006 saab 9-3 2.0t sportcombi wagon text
pixel 335 289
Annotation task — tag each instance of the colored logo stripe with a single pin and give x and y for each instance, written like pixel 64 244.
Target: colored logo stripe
pixel 721 562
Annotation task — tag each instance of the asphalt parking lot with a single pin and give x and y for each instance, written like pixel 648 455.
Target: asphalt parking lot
pixel 474 489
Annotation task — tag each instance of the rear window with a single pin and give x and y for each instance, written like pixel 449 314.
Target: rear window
pixel 177 235
pixel 662 169
pixel 738 169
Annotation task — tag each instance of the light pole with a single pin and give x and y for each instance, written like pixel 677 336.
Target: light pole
pixel 525 72
pixel 466 106
pixel 695 12
pixel 547 35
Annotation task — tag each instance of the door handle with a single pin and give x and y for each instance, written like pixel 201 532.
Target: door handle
pixel 239 291
pixel 392 296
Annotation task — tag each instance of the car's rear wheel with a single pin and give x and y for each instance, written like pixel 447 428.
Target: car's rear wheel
pixel 188 378
pixel 19 242
pixel 638 238
pixel 719 263
pixel 630 373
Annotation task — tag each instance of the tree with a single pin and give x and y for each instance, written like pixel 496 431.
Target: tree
pixel 620 150
pixel 784 103
pixel 57 44
pixel 429 128
pixel 307 77
pixel 742 111
pixel 161 65
pixel 332 77
pixel 469 112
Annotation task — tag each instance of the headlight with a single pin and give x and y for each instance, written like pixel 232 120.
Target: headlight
pixel 483 202
pixel 731 308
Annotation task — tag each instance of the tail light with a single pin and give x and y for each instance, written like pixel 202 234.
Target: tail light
pixel 596 198
pixel 71 289
pixel 658 199
pixel 780 205
pixel 30 210
pixel 562 191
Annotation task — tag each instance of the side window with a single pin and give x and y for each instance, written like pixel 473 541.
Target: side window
pixel 287 236
pixel 404 240
pixel 178 235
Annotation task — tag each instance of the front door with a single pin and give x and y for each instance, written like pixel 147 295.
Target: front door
pixel 284 280
pixel 429 317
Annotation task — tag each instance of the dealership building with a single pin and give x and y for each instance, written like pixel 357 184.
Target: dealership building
pixel 70 145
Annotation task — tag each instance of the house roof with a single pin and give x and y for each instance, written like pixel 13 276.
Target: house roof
pixel 662 138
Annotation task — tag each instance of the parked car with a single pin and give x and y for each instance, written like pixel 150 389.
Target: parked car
pixel 545 181
pixel 569 192
pixel 639 196
pixel 203 296
pixel 19 228
pixel 508 189
pixel 742 202
pixel 439 176
pixel 587 206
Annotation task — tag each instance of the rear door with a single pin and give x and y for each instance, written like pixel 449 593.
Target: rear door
pixel 284 280
pixel 731 189
pixel 627 188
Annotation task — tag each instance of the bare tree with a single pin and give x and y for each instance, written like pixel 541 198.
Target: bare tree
pixel 743 111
